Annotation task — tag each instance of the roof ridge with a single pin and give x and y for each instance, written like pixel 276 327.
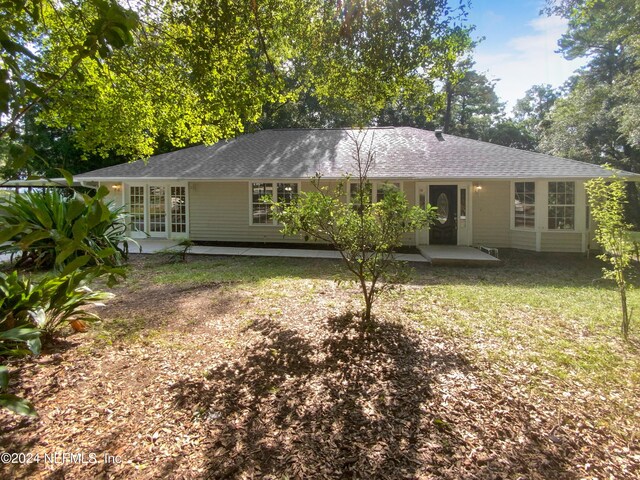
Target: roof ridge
pixel 284 129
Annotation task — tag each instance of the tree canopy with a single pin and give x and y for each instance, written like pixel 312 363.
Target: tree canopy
pixel 195 71
pixel 597 120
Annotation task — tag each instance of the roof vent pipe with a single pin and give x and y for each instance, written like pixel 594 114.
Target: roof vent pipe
pixel 438 132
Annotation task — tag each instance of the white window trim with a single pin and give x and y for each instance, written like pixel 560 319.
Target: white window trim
pixel 274 186
pixel 536 204
pixel 167 185
pixel 576 186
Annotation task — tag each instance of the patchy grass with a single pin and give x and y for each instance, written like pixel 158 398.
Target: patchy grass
pixel 550 310
pixel 551 315
pixel 248 367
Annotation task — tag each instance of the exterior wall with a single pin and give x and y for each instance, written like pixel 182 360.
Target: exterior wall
pixel 409 189
pixel 561 242
pixel 219 211
pixel 524 240
pixel 115 193
pixel 491 206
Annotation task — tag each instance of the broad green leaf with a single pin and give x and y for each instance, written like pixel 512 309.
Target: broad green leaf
pixel 4 377
pixel 7 233
pixel 34 345
pixel 17 405
pixel 75 207
pixel 80 228
pixel 101 192
pixel 34 88
pixel 26 241
pixel 67 176
pixel 20 334
pixel 75 264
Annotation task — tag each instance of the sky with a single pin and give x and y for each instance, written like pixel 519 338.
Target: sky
pixel 519 46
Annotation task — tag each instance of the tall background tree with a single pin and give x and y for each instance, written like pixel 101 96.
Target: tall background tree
pixel 597 121
pixel 531 112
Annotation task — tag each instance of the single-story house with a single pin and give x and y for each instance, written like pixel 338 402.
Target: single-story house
pixel 486 194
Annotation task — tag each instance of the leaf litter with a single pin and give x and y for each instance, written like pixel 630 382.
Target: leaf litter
pixel 212 381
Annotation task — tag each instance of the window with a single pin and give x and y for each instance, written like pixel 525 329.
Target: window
pixel 260 210
pixel 382 187
pixel 157 212
pixel 178 210
pixel 376 190
pixel 561 205
pixel 136 208
pixel 287 192
pixel 525 205
pixel 463 204
pixel 354 189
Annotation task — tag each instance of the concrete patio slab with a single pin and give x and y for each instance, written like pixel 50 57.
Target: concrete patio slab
pixel 457 255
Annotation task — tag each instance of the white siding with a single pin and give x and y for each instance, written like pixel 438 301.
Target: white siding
pixel 523 239
pixel 115 193
pixel 561 242
pixel 219 211
pixel 409 189
pixel 491 210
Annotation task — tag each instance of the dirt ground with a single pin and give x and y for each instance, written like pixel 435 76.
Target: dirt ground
pixel 211 380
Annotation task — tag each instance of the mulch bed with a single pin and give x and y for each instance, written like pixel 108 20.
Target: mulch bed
pixel 229 389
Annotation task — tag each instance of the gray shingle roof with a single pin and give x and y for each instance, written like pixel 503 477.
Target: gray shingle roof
pixel 401 152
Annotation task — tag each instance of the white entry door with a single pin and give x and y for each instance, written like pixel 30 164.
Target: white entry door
pixel 157 211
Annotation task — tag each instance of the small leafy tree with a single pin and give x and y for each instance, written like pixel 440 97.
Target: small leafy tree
pixel 365 233
pixel 606 200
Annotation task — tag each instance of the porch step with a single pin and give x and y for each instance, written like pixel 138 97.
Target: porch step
pixel 457 256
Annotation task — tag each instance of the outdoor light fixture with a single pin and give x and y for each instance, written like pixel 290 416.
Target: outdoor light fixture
pixel 478 188
pixel 116 187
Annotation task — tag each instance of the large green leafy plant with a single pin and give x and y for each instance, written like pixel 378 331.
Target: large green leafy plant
pixel 365 233
pixel 29 309
pixel 52 229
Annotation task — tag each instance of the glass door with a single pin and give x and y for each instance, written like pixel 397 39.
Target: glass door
pixel 157 211
pixel 178 206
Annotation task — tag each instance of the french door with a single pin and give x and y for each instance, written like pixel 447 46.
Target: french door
pixel 158 211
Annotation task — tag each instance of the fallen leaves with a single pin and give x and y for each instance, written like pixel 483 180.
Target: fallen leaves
pixel 250 392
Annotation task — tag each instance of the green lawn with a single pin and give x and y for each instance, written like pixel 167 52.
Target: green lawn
pixel 547 314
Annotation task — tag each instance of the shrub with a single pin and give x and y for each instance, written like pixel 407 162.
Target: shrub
pixel 51 229
pixel 607 199
pixel 48 304
pixel 366 234
pixel 16 306
pixel 28 309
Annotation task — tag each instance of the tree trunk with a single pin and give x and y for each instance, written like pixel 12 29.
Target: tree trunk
pixel 625 313
pixel 447 114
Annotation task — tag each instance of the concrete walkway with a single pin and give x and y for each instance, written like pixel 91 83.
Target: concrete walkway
pixel 435 255
pixel 157 245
